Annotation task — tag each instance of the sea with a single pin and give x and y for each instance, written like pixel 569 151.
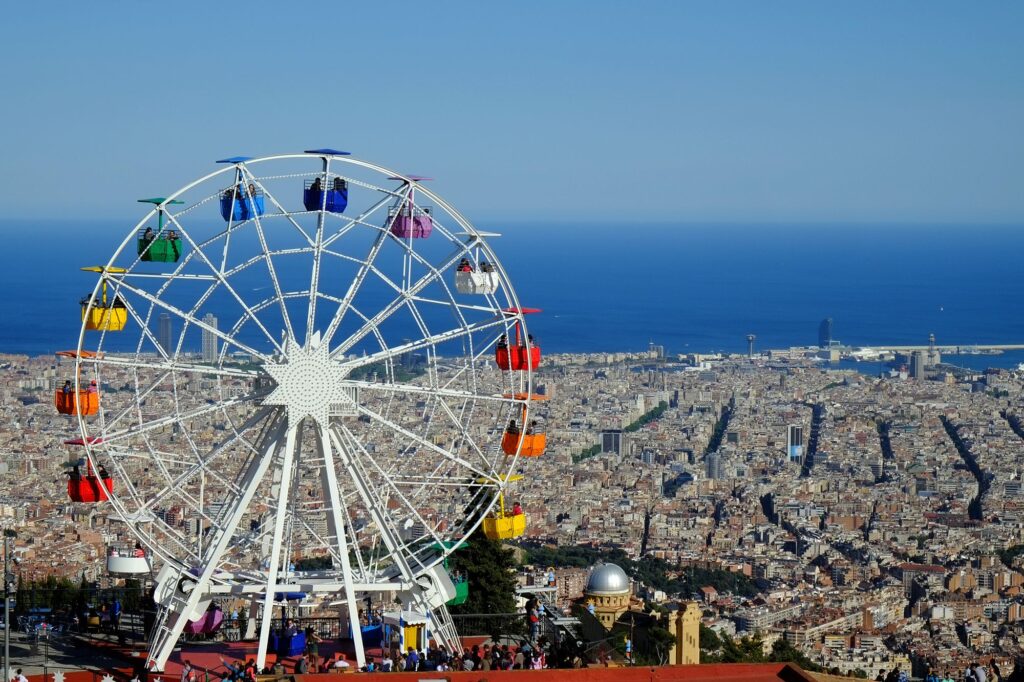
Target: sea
pixel 686 287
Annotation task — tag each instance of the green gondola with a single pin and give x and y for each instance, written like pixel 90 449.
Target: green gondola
pixel 162 246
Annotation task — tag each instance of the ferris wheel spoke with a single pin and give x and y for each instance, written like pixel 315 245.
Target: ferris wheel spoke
pixel 422 442
pixel 314 277
pixel 370 497
pixel 392 307
pixel 140 395
pixel 427 342
pixel 224 282
pixel 358 220
pixel 463 432
pixel 196 465
pixel 192 320
pixel 161 422
pixel 273 200
pixel 354 288
pixel 221 540
pixel 336 518
pixel 460 306
pixel 272 271
pixel 173 365
pixel 413 389
pixel 384 476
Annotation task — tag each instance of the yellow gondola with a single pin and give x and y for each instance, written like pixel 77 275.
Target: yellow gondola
pixel 504 524
pixel 104 315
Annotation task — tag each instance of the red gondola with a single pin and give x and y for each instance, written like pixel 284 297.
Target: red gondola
pixel 90 488
pixel 523 353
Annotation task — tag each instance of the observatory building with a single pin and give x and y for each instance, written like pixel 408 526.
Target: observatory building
pixel 608 589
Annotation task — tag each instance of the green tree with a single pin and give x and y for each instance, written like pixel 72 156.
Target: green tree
pixel 709 641
pixel 489 568
pixel 784 652
pixel 659 641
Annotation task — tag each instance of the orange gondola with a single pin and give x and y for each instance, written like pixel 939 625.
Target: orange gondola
pixel 84 403
pixel 532 444
pixel 529 444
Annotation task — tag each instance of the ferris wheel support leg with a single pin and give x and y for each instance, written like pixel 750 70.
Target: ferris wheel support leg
pixel 373 504
pixel 275 551
pixel 336 527
pixel 165 641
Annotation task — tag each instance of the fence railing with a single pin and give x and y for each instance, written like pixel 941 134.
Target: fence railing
pixel 494 625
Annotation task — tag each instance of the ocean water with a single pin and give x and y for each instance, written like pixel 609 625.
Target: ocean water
pixel 690 288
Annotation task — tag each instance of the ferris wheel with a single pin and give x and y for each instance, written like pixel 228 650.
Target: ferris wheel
pixel 295 361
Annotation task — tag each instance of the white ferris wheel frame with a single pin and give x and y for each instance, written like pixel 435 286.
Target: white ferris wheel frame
pixel 274 449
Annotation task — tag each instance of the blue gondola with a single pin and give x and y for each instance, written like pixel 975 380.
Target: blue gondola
pixel 335 201
pixel 238 204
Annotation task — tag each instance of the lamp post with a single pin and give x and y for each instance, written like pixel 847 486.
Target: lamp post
pixel 8 583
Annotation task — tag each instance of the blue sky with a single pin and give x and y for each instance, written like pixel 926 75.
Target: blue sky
pixel 532 111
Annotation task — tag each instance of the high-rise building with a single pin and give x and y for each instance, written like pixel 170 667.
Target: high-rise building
pixel 750 345
pixel 611 441
pixel 795 443
pixel 825 333
pixel 163 335
pixel 917 364
pixel 713 466
pixel 209 339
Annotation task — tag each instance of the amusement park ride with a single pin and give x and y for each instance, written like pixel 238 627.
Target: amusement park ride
pixel 357 399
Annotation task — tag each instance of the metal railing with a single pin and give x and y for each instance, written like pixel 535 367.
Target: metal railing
pixel 497 626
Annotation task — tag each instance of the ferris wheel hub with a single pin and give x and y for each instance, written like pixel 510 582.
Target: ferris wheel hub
pixel 307 382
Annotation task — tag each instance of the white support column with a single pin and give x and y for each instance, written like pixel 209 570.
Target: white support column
pixel 163 646
pixel 336 526
pixel 275 550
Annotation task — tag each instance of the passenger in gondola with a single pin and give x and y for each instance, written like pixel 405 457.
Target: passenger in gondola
pixel 517 509
pixel 340 185
pixel 252 190
pixel 149 235
pixel 118 303
pixel 92 387
pixel 530 341
pixel 503 342
pixel 76 472
pixel 102 471
pixel 139 552
pixel 512 428
pixel 464 266
pixel 316 186
pixel 531 427
pixel 68 388
pixel 171 234
pixel 486 267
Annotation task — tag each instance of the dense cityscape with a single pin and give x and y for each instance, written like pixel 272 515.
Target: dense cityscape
pixel 872 521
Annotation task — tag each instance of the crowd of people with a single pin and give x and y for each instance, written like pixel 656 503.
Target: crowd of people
pixel 975 672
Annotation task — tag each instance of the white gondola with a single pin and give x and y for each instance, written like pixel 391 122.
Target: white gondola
pixel 127 561
pixel 476 282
